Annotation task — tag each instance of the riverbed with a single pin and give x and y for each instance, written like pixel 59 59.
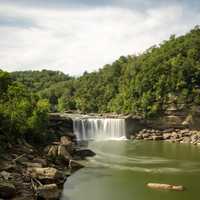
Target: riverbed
pixel 121 169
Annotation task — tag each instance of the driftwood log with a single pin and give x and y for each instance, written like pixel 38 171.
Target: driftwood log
pixel 162 186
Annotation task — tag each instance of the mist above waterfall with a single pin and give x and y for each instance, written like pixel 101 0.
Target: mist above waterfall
pixel 99 128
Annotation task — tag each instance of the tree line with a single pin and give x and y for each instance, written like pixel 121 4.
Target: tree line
pixel 143 84
pixel 140 84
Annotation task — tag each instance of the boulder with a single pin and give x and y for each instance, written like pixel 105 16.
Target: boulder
pixel 139 136
pixel 149 138
pixel 75 165
pixel 155 137
pixel 166 136
pixel 63 153
pixel 186 140
pixel 49 191
pixel 82 153
pixel 7 190
pixel 44 173
pixel 194 139
pixel 145 135
pixel 174 135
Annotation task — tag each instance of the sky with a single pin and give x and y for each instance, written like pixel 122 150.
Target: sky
pixel 74 36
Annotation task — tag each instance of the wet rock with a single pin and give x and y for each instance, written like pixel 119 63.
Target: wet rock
pixel 7 190
pixel 49 191
pixel 155 137
pixel 63 153
pixel 75 165
pixel 82 153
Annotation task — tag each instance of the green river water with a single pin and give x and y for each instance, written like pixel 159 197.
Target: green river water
pixel 121 170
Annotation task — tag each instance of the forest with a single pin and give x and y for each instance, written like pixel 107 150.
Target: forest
pixel 143 84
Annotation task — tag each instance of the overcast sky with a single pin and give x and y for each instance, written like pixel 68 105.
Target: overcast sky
pixel 78 35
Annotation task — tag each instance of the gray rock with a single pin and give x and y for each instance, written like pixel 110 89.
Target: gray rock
pixel 174 135
pixel 155 137
pixel 194 139
pixel 186 140
pixel 49 191
pixel 83 153
pixel 145 135
pixel 139 137
pixel 149 138
pixel 166 136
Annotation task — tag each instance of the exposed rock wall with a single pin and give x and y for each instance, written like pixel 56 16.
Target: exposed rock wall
pixel 177 119
pixel 60 125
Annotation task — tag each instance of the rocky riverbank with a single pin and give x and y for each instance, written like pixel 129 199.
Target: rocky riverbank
pixel 30 173
pixel 170 135
pixel 35 172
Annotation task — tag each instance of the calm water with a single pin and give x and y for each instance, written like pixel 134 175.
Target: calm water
pixel 121 170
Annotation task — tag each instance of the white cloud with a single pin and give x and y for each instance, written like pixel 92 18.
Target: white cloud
pixel 75 40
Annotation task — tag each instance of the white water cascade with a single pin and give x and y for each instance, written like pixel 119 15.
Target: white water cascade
pixel 99 128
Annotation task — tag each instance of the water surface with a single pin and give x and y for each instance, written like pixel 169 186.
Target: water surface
pixel 121 170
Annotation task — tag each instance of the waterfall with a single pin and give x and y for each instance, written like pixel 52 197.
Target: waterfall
pixel 99 128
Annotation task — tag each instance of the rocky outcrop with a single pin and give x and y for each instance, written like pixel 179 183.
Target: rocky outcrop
pixel 171 135
pixel 30 173
pixel 60 125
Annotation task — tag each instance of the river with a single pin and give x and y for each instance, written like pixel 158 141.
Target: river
pixel 121 170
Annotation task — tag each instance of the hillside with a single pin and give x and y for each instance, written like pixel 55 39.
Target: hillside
pixel 142 84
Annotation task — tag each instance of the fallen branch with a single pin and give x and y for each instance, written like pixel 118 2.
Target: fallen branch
pixel 37 181
pixel 33 185
pixel 14 160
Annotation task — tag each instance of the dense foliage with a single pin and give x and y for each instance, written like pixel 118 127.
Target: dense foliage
pixel 22 114
pixel 142 84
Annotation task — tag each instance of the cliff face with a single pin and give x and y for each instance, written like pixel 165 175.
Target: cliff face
pixel 171 118
pixel 62 124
